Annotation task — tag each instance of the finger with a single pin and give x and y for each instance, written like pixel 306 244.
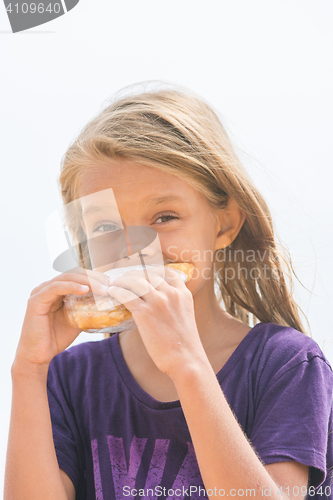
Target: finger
pixel 126 297
pixel 96 280
pixel 170 276
pixel 174 277
pixel 139 282
pixel 43 300
pixel 144 272
pixel 136 284
pixel 134 281
pixel 97 284
pixel 39 287
pixel 97 276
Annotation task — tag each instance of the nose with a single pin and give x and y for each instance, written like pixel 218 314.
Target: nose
pixel 138 239
pixel 143 240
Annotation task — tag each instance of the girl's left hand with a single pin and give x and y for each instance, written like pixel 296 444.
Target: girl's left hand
pixel 164 317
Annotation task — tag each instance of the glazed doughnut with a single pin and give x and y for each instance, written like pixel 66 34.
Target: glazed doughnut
pixel 81 311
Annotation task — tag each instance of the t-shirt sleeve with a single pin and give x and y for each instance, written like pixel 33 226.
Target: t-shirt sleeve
pixel 65 433
pixel 293 416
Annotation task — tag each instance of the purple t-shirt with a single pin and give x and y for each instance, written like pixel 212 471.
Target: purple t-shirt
pixel 115 441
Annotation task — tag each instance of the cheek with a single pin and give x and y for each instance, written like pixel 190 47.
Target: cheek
pixel 202 251
pixel 203 275
pixel 172 244
pixel 195 243
pixel 202 256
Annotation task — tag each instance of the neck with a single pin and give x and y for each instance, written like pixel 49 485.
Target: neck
pixel 212 321
pixel 216 327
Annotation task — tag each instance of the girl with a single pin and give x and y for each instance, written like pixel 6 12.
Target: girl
pixel 193 402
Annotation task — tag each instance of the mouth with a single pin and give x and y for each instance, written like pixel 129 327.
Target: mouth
pixel 142 259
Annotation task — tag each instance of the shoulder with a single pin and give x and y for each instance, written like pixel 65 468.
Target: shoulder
pixel 291 408
pixel 79 361
pixel 281 349
pixel 288 343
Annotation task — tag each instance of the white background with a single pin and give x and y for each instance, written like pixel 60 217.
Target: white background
pixel 265 65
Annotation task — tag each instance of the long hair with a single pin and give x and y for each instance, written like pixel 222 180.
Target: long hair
pixel 175 131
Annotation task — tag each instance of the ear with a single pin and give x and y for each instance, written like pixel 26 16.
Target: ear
pixel 229 222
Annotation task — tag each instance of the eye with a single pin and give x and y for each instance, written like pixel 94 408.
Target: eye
pixel 166 216
pixel 105 228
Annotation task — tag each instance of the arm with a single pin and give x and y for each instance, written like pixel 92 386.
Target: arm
pixel 166 322
pixel 32 470
pixel 225 456
pixel 290 475
pixel 69 486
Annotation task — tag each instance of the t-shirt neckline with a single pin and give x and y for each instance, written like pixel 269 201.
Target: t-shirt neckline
pixel 145 398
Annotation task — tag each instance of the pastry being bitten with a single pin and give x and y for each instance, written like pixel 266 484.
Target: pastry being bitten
pixel 82 312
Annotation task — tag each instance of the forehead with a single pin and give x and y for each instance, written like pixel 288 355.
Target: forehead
pixel 134 181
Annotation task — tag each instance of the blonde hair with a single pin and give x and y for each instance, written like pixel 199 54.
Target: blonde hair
pixel 177 132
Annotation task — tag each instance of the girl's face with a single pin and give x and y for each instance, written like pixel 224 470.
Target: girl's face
pixel 187 226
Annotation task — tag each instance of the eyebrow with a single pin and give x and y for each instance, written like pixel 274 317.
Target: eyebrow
pixel 148 201
pixel 92 209
pixel 161 199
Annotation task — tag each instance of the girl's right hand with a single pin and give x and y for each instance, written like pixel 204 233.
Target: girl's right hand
pixel 45 332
